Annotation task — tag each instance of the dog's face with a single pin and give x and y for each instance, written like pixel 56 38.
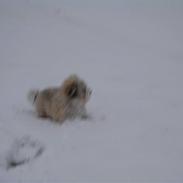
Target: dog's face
pixel 76 90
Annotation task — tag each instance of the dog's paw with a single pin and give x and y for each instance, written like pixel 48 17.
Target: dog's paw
pixel 86 117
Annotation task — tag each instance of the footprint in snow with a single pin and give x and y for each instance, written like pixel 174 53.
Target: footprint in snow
pixel 22 151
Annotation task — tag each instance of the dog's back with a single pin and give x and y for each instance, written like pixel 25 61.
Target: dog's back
pixel 48 93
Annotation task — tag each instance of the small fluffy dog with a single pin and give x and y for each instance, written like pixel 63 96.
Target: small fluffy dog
pixel 60 103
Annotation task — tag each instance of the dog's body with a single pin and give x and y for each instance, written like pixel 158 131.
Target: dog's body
pixel 66 101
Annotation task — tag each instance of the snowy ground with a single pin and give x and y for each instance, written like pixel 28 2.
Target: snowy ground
pixel 131 55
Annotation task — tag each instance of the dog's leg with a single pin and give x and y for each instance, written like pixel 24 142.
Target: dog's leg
pixel 42 114
pixel 59 116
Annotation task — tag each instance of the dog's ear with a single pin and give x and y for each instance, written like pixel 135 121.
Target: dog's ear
pixel 72 90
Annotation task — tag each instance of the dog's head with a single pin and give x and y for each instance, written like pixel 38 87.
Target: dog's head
pixel 76 89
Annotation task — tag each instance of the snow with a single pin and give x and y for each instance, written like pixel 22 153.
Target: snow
pixel 130 54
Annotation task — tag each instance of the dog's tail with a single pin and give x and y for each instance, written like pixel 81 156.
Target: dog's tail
pixel 32 96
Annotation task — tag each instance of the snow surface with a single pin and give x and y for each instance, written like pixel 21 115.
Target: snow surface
pixel 131 55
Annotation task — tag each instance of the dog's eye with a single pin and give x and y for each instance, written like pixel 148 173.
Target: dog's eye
pixel 73 92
